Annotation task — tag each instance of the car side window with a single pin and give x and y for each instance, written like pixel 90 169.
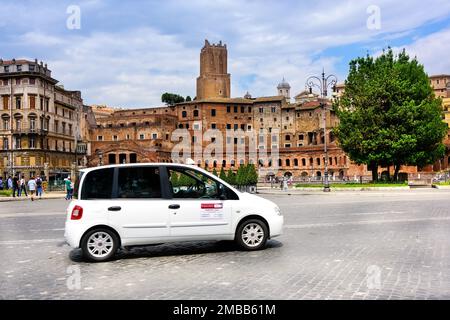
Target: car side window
pixel 98 184
pixel 139 183
pixel 191 184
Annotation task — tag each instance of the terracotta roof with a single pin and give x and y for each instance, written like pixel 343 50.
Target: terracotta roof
pixel 19 61
pixel 440 76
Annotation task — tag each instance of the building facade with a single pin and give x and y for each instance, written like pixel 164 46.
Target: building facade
pixel 39 130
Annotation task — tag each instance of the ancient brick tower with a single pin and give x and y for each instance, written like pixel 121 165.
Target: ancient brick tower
pixel 214 81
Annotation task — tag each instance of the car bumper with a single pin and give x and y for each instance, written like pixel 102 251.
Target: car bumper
pixel 276 226
pixel 73 234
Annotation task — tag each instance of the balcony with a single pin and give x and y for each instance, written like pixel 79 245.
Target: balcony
pixel 26 131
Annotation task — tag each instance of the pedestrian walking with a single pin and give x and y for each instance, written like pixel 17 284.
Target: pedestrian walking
pixel 23 186
pixel 15 185
pixel 1 183
pixel 32 187
pixel 10 183
pixel 68 185
pixel 38 187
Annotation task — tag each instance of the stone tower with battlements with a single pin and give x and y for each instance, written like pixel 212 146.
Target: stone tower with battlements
pixel 214 80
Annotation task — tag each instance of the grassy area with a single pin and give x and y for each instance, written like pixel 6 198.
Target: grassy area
pixel 355 185
pixel 5 193
pixel 443 183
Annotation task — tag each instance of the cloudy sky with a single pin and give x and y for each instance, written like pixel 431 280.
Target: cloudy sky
pixel 127 53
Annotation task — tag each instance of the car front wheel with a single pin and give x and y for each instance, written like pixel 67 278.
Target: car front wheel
pixel 99 245
pixel 252 234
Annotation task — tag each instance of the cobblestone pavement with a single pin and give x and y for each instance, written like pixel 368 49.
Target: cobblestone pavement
pixel 366 245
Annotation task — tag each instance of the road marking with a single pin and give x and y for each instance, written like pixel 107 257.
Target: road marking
pixel 31 241
pixel 30 214
pixel 336 224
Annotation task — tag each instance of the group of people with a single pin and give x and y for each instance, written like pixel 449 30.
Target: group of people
pixel 19 186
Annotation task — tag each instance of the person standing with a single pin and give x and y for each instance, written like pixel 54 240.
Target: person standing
pixel 1 183
pixel 68 185
pixel 9 185
pixel 32 187
pixel 23 186
pixel 39 187
pixel 15 186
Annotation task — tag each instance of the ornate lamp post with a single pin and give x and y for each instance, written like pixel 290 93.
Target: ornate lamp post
pixel 323 84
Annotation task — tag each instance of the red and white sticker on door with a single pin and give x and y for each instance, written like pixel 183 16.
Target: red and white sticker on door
pixel 211 206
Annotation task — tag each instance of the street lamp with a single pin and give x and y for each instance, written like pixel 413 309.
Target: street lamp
pixel 323 84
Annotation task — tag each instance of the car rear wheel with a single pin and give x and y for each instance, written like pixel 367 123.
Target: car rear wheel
pixel 99 245
pixel 252 234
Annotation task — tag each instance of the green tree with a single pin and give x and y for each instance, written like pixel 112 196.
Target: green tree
pixel 252 175
pixel 171 98
pixel 188 98
pixel 222 175
pixel 214 172
pixel 389 115
pixel 231 177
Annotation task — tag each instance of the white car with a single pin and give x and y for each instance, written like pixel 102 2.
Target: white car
pixel 143 204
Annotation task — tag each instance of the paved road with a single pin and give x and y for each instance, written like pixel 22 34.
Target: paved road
pixel 366 245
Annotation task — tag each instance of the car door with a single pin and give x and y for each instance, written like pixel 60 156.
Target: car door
pixel 195 209
pixel 139 211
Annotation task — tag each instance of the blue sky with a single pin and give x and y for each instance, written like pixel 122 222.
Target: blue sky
pixel 127 53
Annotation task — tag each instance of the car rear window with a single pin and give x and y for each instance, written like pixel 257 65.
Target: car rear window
pixel 98 184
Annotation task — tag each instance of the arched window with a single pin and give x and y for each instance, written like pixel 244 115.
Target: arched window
pixel 184 114
pixel 296 162
pixel 215 164
pixel 304 162
pixel 318 161
pixel 280 163
pixel 288 138
pixel 288 162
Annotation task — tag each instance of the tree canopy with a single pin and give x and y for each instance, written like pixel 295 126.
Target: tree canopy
pixel 389 115
pixel 171 98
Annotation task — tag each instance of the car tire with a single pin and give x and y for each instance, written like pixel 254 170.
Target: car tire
pixel 252 235
pixel 99 245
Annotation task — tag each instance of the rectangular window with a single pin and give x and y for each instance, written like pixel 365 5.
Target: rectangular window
pixel 31 67
pixel 141 137
pixel 19 68
pixel 154 136
pixel 32 102
pixel 32 143
pixel 5 102
pixel 235 109
pixel 115 138
pixel 99 138
pixel 18 102
pixel 139 183
pixel 213 112
pixel 228 109
pixel 5 144
pixel 213 126
pixel 98 184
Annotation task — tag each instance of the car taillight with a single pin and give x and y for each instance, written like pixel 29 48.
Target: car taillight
pixel 77 213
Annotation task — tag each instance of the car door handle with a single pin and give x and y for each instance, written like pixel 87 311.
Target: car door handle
pixel 174 206
pixel 114 208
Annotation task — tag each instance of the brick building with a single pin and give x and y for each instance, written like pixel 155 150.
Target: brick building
pixel 288 137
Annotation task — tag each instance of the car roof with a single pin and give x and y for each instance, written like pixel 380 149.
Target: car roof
pixel 144 164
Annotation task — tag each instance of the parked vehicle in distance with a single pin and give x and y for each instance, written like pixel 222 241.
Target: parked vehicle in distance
pixel 142 204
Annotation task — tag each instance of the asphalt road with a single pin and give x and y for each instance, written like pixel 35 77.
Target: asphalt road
pixel 349 245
